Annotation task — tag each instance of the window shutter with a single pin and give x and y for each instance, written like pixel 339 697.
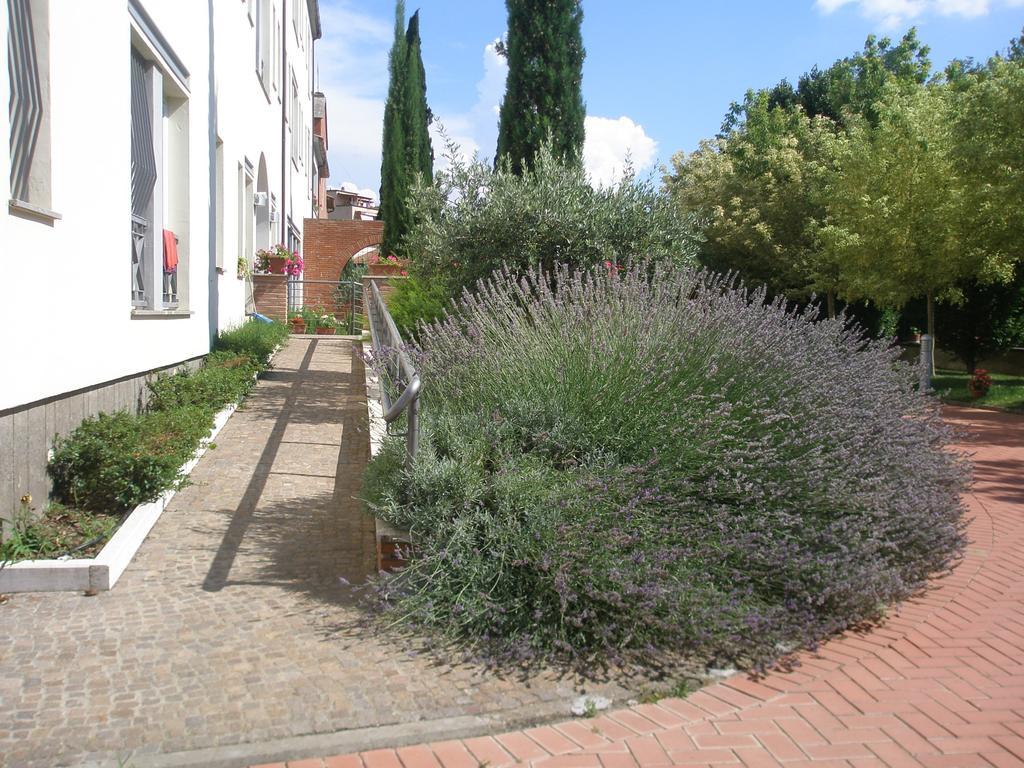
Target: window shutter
pixel 26 100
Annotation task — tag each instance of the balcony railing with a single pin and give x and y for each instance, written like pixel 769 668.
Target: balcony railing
pixel 139 229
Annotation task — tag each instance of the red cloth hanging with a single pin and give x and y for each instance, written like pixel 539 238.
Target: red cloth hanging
pixel 170 251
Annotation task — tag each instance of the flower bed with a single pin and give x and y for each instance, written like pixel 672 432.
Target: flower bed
pixel 114 463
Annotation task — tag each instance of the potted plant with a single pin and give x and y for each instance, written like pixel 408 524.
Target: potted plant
pixel 326 325
pixel 244 270
pixel 298 322
pixel 279 261
pixel 980 383
pixel 388 265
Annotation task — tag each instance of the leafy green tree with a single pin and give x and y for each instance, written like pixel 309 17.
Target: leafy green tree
pixel 894 211
pixel 394 179
pixel 851 85
pixel 474 219
pixel 987 318
pixel 543 98
pixel 760 192
pixel 406 149
pixel 416 114
pixel 988 152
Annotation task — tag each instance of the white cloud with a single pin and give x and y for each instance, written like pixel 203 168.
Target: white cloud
pixel 611 144
pixel 352 62
pixel 353 74
pixel 894 13
pixel 476 130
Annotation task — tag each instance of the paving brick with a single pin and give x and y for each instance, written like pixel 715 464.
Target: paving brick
pixel 452 754
pixel 938 684
pixel 552 741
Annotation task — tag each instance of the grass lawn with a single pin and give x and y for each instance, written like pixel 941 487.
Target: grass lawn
pixel 1007 391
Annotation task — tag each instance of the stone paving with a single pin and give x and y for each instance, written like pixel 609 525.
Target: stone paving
pixel 940 684
pixel 231 626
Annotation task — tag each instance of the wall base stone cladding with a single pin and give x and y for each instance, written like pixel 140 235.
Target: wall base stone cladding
pixel 28 432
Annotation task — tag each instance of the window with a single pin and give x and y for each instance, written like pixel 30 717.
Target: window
pixel 275 74
pixel 159 187
pixel 294 118
pixel 28 59
pixel 219 204
pixel 264 47
pixel 245 212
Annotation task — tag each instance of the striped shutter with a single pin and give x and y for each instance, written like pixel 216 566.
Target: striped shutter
pixel 143 176
pixel 26 101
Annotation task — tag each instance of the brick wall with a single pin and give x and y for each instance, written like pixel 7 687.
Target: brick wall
pixel 328 245
pixel 270 295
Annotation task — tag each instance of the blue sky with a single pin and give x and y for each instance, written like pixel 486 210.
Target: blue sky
pixel 658 76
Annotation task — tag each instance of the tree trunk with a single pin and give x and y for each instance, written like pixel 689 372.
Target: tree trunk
pixel 831 298
pixel 931 327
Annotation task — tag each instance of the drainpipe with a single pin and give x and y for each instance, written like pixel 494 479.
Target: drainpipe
pixel 285 94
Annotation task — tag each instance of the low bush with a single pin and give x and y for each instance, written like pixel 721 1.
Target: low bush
pixel 416 300
pixel 225 378
pixel 656 459
pixel 255 339
pixel 115 462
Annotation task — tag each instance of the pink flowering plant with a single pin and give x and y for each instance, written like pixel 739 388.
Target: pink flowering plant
pixel 292 260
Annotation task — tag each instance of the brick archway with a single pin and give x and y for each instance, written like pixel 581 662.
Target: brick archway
pixel 329 245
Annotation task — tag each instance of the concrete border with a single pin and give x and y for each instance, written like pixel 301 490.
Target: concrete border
pixel 378 431
pixel 101 573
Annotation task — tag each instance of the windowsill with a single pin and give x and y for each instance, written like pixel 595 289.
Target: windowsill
pixel 22 208
pixel 151 314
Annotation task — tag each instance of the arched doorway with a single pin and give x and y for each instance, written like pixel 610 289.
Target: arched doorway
pixel 261 203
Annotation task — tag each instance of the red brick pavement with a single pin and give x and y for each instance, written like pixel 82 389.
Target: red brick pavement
pixel 940 684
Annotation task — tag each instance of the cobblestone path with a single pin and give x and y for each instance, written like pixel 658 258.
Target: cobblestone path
pixel 940 684
pixel 231 627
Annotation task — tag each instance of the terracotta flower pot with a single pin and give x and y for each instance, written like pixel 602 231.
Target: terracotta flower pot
pixel 276 265
pixel 298 326
pixel 325 331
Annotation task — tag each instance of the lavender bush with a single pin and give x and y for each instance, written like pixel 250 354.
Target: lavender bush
pixel 659 459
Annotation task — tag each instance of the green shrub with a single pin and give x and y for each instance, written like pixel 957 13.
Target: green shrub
pixel 416 300
pixel 255 339
pixel 474 219
pixel 225 378
pixel 118 461
pixel 654 460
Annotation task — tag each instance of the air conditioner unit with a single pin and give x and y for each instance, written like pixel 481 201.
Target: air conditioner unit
pixel 259 199
pixel 275 216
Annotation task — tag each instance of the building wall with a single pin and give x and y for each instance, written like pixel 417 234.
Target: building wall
pixel 249 122
pixel 330 244
pixel 74 346
pixel 65 304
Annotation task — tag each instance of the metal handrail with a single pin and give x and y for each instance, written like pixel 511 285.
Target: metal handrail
pixel 388 346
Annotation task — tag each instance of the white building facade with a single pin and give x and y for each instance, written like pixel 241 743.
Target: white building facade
pixel 154 146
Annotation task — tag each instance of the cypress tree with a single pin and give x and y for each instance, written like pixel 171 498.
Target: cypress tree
pixel 416 114
pixel 394 182
pixel 406 149
pixel 545 73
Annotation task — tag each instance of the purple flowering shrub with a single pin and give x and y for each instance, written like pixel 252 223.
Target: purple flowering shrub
pixel 654 459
